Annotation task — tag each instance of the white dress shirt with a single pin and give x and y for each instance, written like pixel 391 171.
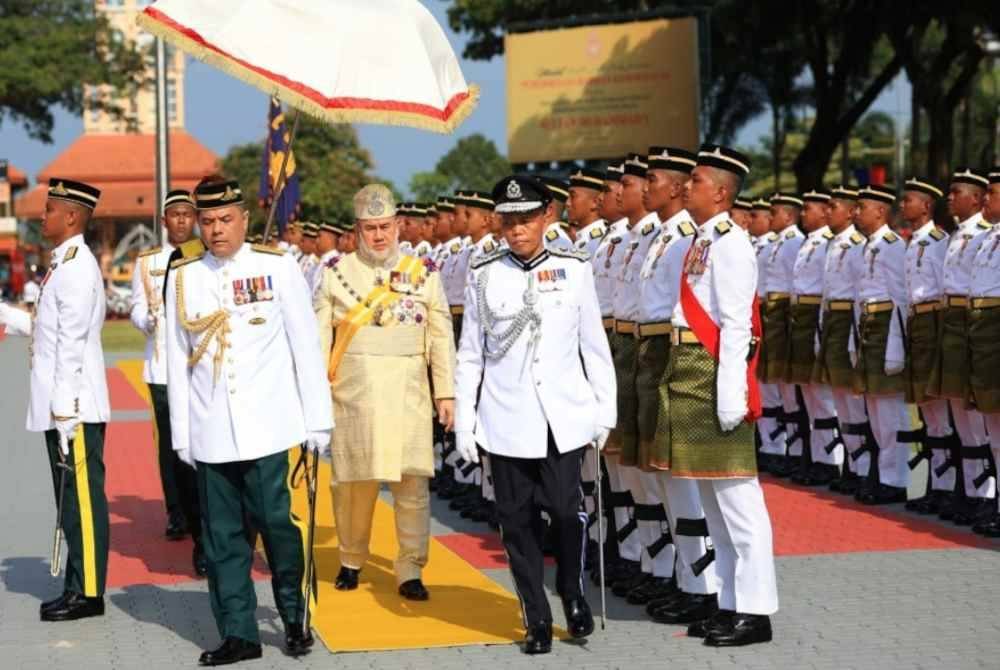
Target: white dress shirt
pixel 882 277
pixel 150 270
pixel 270 388
pixel 844 258
pixel 563 380
pixel 985 280
pixel 556 237
pixel 726 291
pixel 608 253
pixel 660 275
pixel 810 263
pixel 962 249
pixel 925 264
pixel 781 260
pixel 589 238
pixel 761 245
pixel 626 295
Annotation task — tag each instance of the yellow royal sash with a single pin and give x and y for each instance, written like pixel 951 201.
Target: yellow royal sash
pixel 359 316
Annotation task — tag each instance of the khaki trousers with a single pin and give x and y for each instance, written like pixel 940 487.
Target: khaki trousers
pixel 354 507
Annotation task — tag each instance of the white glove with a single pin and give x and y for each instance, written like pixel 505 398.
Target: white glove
pixel 893 367
pixel 320 441
pixel 853 355
pixel 465 445
pixel 729 420
pixel 601 438
pixel 185 456
pixel 150 323
pixel 66 429
pixel 18 321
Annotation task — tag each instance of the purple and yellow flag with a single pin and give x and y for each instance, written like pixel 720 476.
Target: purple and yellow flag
pixel 274 153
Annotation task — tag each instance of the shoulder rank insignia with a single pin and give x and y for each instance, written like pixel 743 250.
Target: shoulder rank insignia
pixel 982 225
pixel 890 237
pixel 827 235
pixel 790 234
pixel 937 234
pixel 70 254
pixel 551 235
pixel 181 262
pixel 150 252
pixel 857 238
pixel 267 250
pixel 570 253
pixel 648 228
pixel 772 236
pixel 596 233
pixel 723 227
pixel 489 246
pixel 686 228
pixel 490 257
pixel 455 248
pixel 192 247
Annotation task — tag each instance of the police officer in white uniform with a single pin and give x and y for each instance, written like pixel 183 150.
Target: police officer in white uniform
pixel 533 341
pixel 68 394
pixel 242 349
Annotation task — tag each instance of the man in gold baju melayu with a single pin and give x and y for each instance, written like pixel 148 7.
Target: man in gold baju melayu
pixel 384 319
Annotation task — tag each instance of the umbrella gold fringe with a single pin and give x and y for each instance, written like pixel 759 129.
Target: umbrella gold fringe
pixel 299 101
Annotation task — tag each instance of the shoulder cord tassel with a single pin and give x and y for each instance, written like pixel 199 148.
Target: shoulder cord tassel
pixel 214 326
pixel 153 301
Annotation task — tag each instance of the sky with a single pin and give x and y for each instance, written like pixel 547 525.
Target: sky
pixel 222 112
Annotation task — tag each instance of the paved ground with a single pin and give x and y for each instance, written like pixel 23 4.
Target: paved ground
pixel 917 608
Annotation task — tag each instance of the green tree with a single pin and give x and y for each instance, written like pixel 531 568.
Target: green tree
pixel 330 162
pixel 48 49
pixel 474 163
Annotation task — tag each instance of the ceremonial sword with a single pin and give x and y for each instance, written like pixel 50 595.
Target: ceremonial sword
pixel 55 568
pixel 600 533
pixel 311 478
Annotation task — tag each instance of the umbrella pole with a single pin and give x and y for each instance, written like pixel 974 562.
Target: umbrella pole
pixel 280 185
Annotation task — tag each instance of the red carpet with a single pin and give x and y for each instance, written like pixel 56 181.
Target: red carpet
pixel 122 395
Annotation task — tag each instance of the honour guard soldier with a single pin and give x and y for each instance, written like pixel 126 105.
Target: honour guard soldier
pixel 950 376
pixel 241 350
pixel 456 264
pixel 821 451
pixel 383 320
pixel 770 428
pixel 742 208
pixel 984 326
pixel 327 247
pixel 556 236
pixel 925 255
pixel 712 401
pixel 407 227
pixel 290 239
pixel 309 259
pixel 68 393
pixel 180 491
pixel 425 229
pixel 838 324
pixel 883 303
pixel 689 590
pixel 534 387
pixel 585 187
pixel 773 369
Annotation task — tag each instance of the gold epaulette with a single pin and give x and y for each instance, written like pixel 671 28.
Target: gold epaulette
pixel 70 254
pixel 489 258
pixel 193 247
pixel 890 237
pixel 264 249
pixel 596 233
pixel 489 246
pixel 723 227
pixel 570 253
pixel 827 235
pixel 150 252
pixel 982 225
pixel 551 235
pixel 181 262
pixel 686 228
pixel 937 234
pixel 857 238
pixel 790 234
pixel 772 236
pixel 648 228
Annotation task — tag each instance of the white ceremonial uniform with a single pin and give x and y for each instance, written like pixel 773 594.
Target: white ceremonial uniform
pixel 882 278
pixel 267 388
pixel 985 283
pixel 30 293
pixel 487 244
pixel 67 361
pixel 453 287
pixel 770 430
pixel 779 278
pixel 542 383
pixel 808 276
pixel 963 248
pixel 608 253
pixel 843 265
pixel 147 299
pixel 590 237
pixel 925 253
pixel 422 249
pixel 557 238
pixel 406 248
pixel 325 261
pixel 735 512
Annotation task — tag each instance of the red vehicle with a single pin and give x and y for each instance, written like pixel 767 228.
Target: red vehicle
pixel 12 275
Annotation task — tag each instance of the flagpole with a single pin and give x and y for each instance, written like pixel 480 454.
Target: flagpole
pixel 280 184
pixel 162 140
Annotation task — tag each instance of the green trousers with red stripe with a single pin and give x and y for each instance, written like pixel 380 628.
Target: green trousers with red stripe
pixel 85 508
pixel 260 488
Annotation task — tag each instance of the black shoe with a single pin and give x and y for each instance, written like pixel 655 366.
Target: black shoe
pixel 927 504
pixel 849 483
pixel 233 650
pixel 414 589
pixel 783 466
pixel 974 511
pixel 715 624
pixel 298 642
pixel 538 639
pixel 883 495
pixel 988 527
pixel 666 602
pixel 615 571
pixel 199 561
pixel 55 602
pixel 744 629
pixel 622 587
pixel 579 620
pixel 819 474
pixel 347 579
pixel 655 589
pixel 692 607
pixel 74 606
pixel 176 527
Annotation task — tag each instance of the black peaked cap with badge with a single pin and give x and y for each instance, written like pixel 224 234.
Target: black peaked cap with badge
pixel 878 193
pixel 587 178
pixel 479 200
pixel 178 196
pixel 615 170
pixel 724 158
pixel 557 187
pixel 966 175
pixel 520 195
pixel 922 186
pixel 74 191
pixel 221 194
pixel 671 158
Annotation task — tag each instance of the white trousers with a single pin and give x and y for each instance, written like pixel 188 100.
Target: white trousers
pixel 935 413
pixel 744 555
pixel 684 502
pixel 770 396
pixel 971 428
pixel 993 428
pixel 650 532
pixel 888 415
pixel 622 478
pixel 851 409
pixel 820 405
pixel 791 404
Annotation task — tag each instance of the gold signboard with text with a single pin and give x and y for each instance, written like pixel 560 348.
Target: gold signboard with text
pixel 602 91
